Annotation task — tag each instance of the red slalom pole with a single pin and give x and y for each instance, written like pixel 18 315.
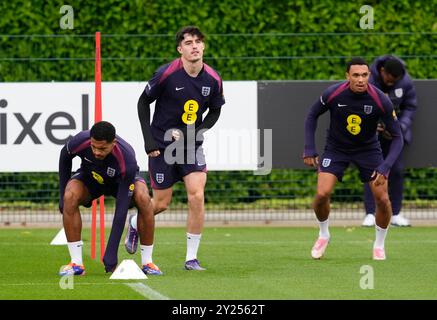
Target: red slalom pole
pixel 97 118
pixel 102 227
pixel 93 229
pixel 98 82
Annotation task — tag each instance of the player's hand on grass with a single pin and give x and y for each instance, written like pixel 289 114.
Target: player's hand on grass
pixel 378 179
pixel 311 161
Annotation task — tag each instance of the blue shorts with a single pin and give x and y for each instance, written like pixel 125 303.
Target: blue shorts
pixel 96 189
pixel 336 162
pixel 163 175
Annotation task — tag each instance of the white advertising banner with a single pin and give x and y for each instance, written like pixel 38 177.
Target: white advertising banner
pixel 37 118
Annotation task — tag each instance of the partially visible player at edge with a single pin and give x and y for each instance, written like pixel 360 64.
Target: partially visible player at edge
pixel 389 73
pixel 184 90
pixel 108 167
pixel 355 107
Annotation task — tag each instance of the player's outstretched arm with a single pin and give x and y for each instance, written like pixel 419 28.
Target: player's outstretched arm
pixel 393 127
pixel 210 119
pixel 124 195
pixel 310 153
pixel 143 106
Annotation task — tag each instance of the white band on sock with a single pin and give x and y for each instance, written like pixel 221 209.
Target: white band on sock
pixel 193 241
pixel 146 254
pixel 381 233
pixel 75 249
pixel 324 229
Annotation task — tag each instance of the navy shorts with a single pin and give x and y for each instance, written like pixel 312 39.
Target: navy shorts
pixel 96 189
pixel 336 162
pixel 163 175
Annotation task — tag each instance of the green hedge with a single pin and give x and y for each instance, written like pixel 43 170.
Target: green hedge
pixel 232 28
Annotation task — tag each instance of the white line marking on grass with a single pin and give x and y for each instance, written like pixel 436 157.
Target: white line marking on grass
pixel 54 283
pixel 140 288
pixel 146 291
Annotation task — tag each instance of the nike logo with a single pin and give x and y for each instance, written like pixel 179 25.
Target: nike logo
pixel 342 105
pixel 87 159
pixel 177 89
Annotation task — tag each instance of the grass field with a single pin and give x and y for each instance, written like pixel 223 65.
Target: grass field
pixel 267 263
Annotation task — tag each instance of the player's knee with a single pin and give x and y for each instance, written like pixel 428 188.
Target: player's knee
pixel 196 197
pixel 142 199
pixel 322 196
pixel 382 200
pixel 71 199
pixel 160 206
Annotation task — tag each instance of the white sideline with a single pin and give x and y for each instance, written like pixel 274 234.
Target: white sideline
pixel 54 283
pixel 146 291
pixel 140 288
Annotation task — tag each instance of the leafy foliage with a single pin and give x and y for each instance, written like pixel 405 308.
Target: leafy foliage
pixel 246 40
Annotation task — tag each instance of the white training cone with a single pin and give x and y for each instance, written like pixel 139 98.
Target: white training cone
pixel 60 239
pixel 128 269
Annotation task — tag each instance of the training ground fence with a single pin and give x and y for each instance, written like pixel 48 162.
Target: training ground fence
pixel 237 56
pixel 230 196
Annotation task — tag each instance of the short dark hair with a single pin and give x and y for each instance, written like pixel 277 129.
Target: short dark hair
pixel 103 130
pixel 356 61
pixel 394 67
pixel 192 30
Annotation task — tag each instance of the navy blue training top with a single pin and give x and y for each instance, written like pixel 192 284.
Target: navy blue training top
pixel 181 100
pixel 117 171
pixel 353 121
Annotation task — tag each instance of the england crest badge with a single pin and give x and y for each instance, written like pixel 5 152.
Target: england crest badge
pixel 326 162
pixel 206 91
pixel 110 172
pixel 160 177
pixel 399 92
pixel 368 109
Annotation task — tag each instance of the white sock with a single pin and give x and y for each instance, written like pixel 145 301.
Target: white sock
pixel 146 254
pixel 133 221
pixel 380 237
pixel 75 249
pixel 324 229
pixel 193 241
